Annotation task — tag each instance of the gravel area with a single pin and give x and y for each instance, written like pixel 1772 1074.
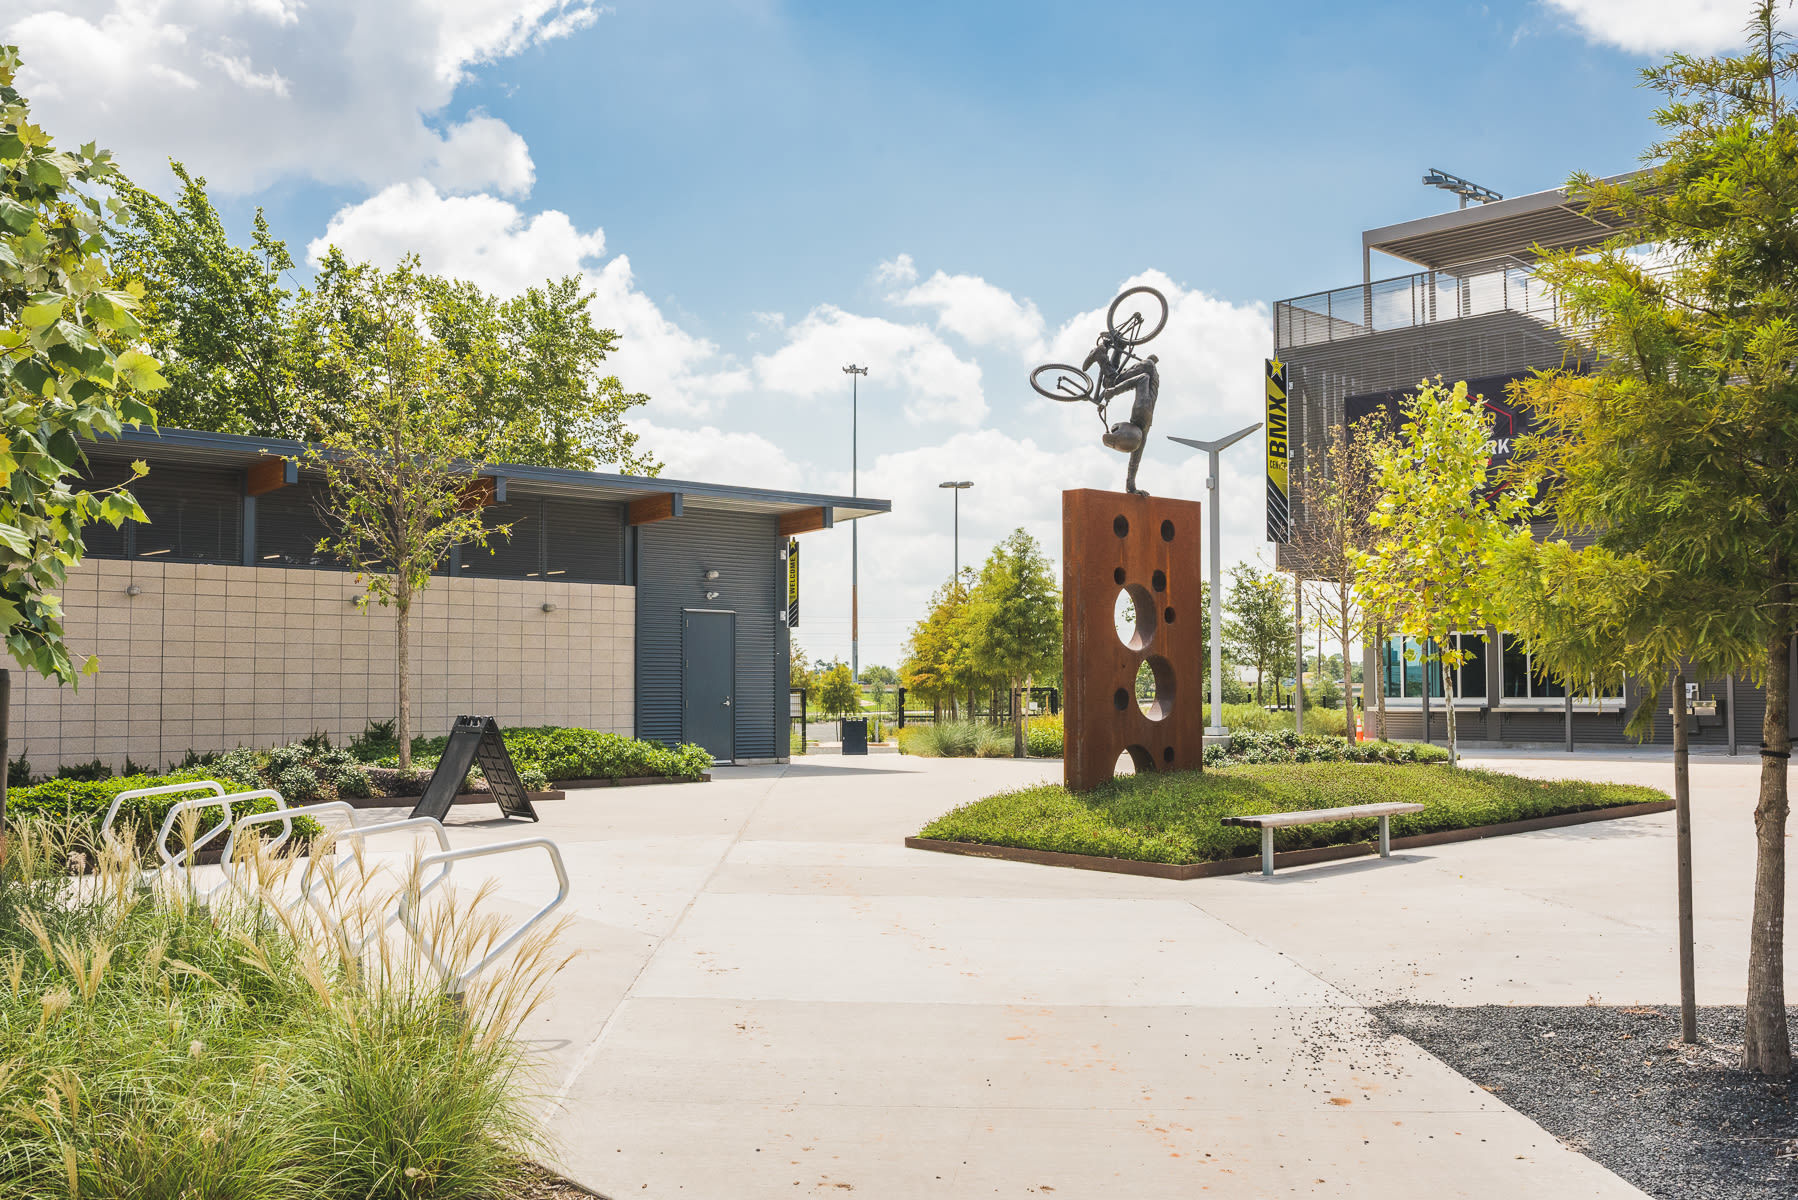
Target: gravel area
pixel 1615 1084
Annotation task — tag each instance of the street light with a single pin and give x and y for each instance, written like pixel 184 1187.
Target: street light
pixel 957 486
pixel 855 543
pixel 1216 728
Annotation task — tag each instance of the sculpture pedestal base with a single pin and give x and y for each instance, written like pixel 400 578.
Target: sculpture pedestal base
pixel 1145 548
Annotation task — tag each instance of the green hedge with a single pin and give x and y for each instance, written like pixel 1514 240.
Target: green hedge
pixel 1285 746
pixel 1177 817
pixel 565 753
pixel 86 801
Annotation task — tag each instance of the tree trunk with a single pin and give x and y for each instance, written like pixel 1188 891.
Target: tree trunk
pixel 1766 1043
pixel 403 666
pixel 1348 674
pixel 1682 825
pixel 1257 683
pixel 1017 722
pixel 1298 654
pixel 1448 703
pixel 1379 677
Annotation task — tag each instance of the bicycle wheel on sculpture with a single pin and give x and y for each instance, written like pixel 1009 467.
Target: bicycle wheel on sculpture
pixel 1137 315
pixel 1058 381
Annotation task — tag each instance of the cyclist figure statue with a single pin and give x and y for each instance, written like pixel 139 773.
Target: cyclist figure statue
pixel 1112 369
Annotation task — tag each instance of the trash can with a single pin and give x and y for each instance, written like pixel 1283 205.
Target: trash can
pixel 855 735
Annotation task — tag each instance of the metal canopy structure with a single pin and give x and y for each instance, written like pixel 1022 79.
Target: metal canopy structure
pixel 178 445
pixel 1500 229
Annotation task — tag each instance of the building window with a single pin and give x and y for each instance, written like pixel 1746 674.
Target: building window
pixel 290 524
pixel 1525 679
pixel 1407 661
pixel 194 516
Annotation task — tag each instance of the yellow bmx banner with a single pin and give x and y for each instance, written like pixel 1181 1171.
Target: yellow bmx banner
pixel 1279 456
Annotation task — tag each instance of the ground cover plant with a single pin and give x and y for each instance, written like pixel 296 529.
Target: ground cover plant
pixel 557 753
pixel 154 1046
pixel 1177 816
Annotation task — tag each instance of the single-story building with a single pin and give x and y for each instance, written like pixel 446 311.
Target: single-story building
pixel 644 606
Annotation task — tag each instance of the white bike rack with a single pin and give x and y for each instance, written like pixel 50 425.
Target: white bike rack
pixel 310 887
pixel 167 789
pixel 458 982
pixel 173 861
pixel 286 817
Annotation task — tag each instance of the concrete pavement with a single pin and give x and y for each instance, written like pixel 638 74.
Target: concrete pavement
pixel 777 999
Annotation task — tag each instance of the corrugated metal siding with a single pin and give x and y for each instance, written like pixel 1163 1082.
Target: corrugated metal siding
pixel 672 557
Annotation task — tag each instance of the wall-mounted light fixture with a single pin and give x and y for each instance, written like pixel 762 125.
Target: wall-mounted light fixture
pixel 710 575
pixel 134 590
pixel 711 595
pixel 549 606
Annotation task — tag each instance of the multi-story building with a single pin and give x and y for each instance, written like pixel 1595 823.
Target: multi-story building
pixel 1473 310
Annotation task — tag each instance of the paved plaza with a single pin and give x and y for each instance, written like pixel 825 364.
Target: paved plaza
pixel 776 998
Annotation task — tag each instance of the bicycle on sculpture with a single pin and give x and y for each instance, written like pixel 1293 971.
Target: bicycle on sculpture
pixel 1118 370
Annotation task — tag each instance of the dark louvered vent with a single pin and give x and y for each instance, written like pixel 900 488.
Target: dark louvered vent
pixel 517 557
pixel 195 516
pixel 583 542
pixel 289 527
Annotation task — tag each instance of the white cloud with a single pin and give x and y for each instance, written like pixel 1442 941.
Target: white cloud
pixel 249 91
pixel 1659 26
pixel 491 242
pixel 900 270
pixel 936 385
pixel 977 311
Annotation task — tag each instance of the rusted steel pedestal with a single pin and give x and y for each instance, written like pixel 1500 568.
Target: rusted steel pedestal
pixel 1147 548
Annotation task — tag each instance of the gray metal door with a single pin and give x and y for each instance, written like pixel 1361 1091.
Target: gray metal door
pixel 708 681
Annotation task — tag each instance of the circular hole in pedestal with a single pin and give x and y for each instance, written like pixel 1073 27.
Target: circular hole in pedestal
pixel 1118 576
pixel 1167 531
pixel 1167 615
pixel 1155 687
pixel 1121 699
pixel 1167 754
pixel 1133 615
pixel 1136 760
pixel 1159 580
pixel 1120 525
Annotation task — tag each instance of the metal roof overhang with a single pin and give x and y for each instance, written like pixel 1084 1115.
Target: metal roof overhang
pixel 1502 229
pixel 229 449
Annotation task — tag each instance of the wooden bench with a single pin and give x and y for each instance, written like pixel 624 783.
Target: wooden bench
pixel 1268 822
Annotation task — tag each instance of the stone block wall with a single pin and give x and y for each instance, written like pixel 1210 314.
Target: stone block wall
pixel 212 657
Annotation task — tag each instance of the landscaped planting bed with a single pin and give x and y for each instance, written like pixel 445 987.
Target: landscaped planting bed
pixel 1177 817
pixel 151 1046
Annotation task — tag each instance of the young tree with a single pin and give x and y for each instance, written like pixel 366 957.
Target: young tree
pixel 1016 619
pixel 392 440
pixel 1337 491
pixel 837 694
pixel 1679 447
pixel 938 664
pixel 799 668
pixel 65 373
pixel 1430 572
pixel 1258 621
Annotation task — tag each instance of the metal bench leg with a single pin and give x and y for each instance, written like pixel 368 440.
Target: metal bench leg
pixel 1267 849
pixel 1385 837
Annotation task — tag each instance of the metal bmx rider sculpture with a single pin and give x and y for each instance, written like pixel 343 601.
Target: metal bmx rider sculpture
pixel 1119 370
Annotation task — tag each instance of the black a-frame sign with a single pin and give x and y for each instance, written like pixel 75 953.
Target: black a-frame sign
pixel 472 740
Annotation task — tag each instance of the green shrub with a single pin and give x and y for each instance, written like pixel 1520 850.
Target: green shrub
pixel 955 739
pixel 1177 816
pixel 1286 746
pixel 1043 736
pixel 563 752
pixel 82 803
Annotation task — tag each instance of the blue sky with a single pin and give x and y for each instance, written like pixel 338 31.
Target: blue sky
pixel 761 191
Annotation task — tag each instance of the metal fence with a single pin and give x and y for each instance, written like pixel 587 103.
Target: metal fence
pixel 1409 301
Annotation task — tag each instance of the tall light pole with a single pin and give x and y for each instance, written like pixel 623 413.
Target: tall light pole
pixel 957 485
pixel 855 541
pixel 1216 728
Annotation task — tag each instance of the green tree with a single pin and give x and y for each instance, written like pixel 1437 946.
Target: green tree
pixel 215 314
pixel 939 663
pixel 535 365
pixel 1258 621
pixel 68 370
pixel 1015 615
pixel 391 437
pixel 837 694
pixel 799 668
pixel 1680 447
pixel 1431 571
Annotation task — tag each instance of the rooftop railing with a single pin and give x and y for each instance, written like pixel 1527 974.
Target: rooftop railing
pixel 1410 301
